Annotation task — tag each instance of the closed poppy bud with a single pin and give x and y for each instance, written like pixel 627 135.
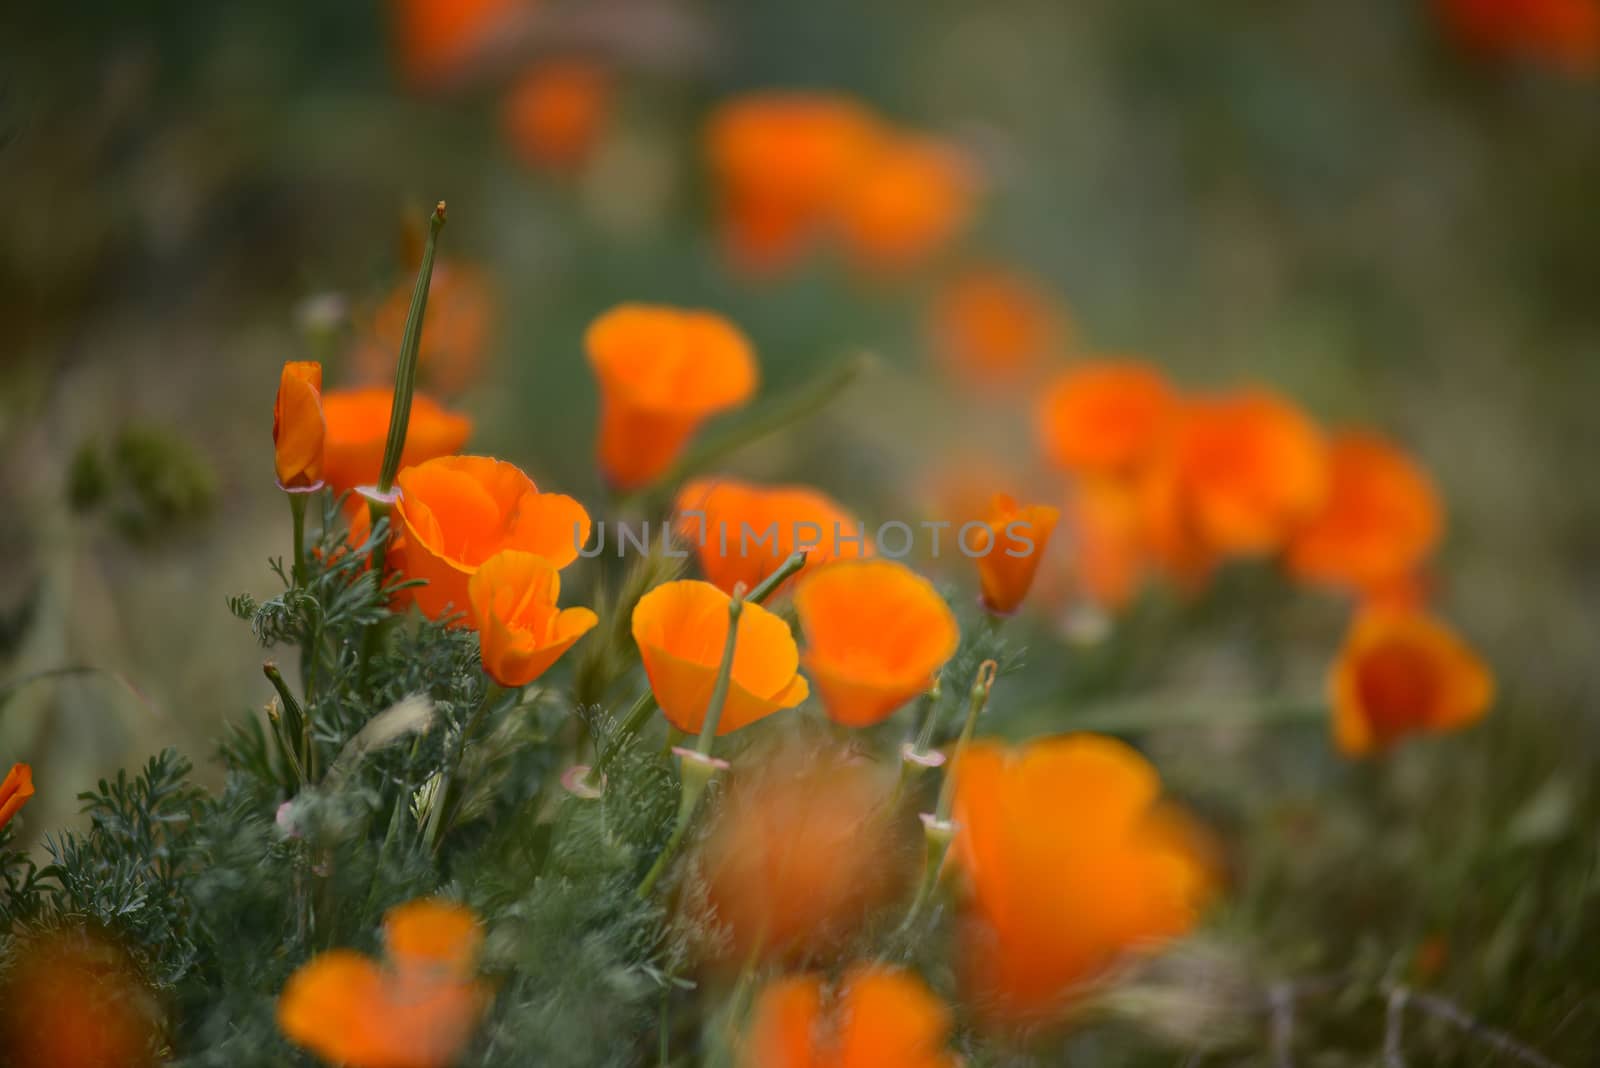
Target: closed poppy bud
pixel 1403 673
pixel 662 371
pixel 457 330
pixel 358 431
pixel 1379 523
pixel 15 790
pixel 1069 864
pixel 298 430
pixel 521 632
pixel 743 532
pixel 994 327
pixel 876 632
pixel 910 198
pixel 1009 548
pixel 455 512
pixel 681 628
pixel 1107 418
pixel 554 112
pixel 877 1017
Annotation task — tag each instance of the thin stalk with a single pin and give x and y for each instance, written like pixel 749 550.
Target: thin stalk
pixel 296 724
pixel 297 512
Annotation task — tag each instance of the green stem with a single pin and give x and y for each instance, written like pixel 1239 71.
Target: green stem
pixel 297 511
pixel 719 693
pixel 296 724
pixel 405 380
pixel 769 585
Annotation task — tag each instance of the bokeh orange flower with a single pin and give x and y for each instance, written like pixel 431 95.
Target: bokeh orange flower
pixel 418 1009
pixel 1110 549
pixel 780 161
pixel 681 628
pixel 743 532
pixel 1106 418
pixel 437 39
pixel 1009 549
pixel 1069 862
pixel 521 631
pixel 876 632
pixel 996 327
pixel 298 429
pixel 455 512
pixel 358 431
pixel 1403 673
pixel 877 1017
pixel 1562 33
pixel 71 998
pixel 457 329
pixel 908 199
pixel 1381 520
pixel 662 371
pixel 15 789
pixel 554 113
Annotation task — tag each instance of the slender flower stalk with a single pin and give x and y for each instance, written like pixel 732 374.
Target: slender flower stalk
pixel 297 510
pixel 299 749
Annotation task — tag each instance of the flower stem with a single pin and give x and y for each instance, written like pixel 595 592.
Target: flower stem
pixel 296 726
pixel 297 512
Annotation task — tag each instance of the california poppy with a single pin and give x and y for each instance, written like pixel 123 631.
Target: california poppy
pixel 358 432
pixel 800 851
pixel 876 632
pixel 438 39
pixel 553 113
pixel 1380 521
pixel 681 628
pixel 521 631
pixel 1105 418
pixel 994 327
pixel 1009 548
pixel 298 429
pixel 1563 33
pixel 416 1010
pixel 72 998
pixel 1069 862
pixel 743 532
pixel 15 789
pixel 780 161
pixel 877 1017
pixel 909 198
pixel 1403 673
pixel 457 329
pixel 663 371
pixel 1110 547
pixel 455 512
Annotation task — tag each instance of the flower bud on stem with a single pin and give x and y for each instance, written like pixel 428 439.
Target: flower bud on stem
pixel 295 739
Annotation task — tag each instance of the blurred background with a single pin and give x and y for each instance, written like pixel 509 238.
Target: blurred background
pixel 1385 208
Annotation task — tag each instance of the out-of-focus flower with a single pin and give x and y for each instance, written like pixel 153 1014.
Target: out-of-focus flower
pixel 358 431
pixel 876 632
pixel 681 628
pixel 1070 862
pixel 780 161
pixel 521 631
pixel 908 199
pixel 802 850
pixel 1010 548
pixel 1562 33
pixel 1110 551
pixel 877 1017
pixel 554 113
pixel 298 429
pixel 73 999
pixel 1107 418
pixel 1380 521
pixel 457 511
pixel 15 790
pixel 663 371
pixel 456 331
pixel 743 532
pixel 1403 673
pixel 416 1011
pixel 437 39
pixel 995 327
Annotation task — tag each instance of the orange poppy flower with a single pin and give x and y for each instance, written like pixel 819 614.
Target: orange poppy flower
pixel 1010 548
pixel 358 431
pixel 1069 863
pixel 298 428
pixel 457 329
pixel 1564 33
pixel 662 371
pixel 554 112
pixel 1248 468
pixel 1110 549
pixel 73 999
pixel 15 790
pixel 995 327
pixel 876 632
pixel 799 854
pixel 681 628
pixel 521 632
pixel 437 39
pixel 455 512
pixel 780 160
pixel 417 1011
pixel 1402 673
pixel 909 198
pixel 1105 418
pixel 877 1017
pixel 744 532
pixel 1380 521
